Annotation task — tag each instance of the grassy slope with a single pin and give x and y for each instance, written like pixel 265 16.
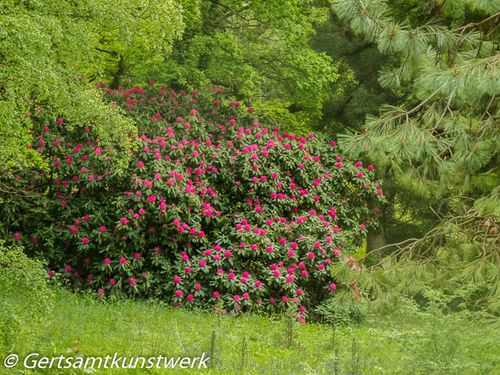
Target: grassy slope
pixel 382 345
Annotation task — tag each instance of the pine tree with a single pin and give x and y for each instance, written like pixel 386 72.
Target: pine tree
pixel 440 145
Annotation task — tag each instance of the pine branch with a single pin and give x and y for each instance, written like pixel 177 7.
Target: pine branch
pixel 477 24
pixel 415 109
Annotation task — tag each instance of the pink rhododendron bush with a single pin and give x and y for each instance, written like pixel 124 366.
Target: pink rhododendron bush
pixel 214 208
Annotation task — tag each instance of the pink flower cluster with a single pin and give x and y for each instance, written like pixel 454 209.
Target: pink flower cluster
pixel 213 208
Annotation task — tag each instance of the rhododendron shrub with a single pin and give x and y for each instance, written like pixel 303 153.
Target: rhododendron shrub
pixel 214 207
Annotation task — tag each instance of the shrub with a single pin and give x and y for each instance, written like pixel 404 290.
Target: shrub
pixel 25 296
pixel 214 208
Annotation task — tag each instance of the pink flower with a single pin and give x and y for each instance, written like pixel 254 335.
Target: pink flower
pixel 68 268
pixel 132 282
pixel 137 255
pixel 236 298
pixel 310 255
pixel 177 279
pixel 202 263
pixel 122 260
pixel 197 287
pixel 216 295
pixel 85 240
pixel 140 164
pixel 246 295
pixel 332 287
pixel 102 229
pixel 300 318
pixel 17 236
pixel 179 293
pixel 107 262
pixel 124 220
pixel 112 282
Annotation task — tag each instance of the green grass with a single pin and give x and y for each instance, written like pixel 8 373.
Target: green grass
pixel 246 344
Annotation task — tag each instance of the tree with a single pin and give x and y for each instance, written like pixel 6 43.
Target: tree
pixel 53 51
pixel 258 51
pixel 441 144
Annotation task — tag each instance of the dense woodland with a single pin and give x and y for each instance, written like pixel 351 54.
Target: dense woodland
pixel 409 86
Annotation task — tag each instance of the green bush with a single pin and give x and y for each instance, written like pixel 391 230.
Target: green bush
pixel 25 296
pixel 214 208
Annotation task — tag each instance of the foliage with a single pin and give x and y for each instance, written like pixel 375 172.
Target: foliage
pixel 438 149
pixel 213 208
pixel 25 296
pixel 50 50
pixel 449 137
pixel 259 51
pixel 459 257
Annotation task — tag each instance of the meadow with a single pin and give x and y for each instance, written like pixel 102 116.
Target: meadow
pixel 408 342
